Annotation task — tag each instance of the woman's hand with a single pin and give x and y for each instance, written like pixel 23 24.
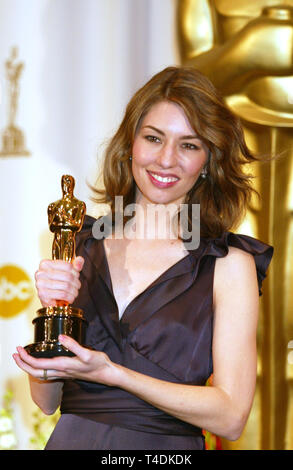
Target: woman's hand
pixel 89 365
pixel 58 280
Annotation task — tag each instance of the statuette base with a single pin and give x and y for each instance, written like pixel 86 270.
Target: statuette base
pixel 52 322
pixel 13 142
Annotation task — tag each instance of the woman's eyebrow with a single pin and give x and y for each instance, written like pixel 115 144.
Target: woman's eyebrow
pixel 154 129
pixel 191 136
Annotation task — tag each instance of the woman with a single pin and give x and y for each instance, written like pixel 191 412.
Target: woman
pixel 163 315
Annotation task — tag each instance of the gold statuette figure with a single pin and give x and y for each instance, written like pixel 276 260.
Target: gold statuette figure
pixel 65 218
pixel 12 137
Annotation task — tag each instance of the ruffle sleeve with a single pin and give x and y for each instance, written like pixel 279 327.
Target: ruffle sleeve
pixel 219 247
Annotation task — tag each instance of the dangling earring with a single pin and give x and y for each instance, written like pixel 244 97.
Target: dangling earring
pixel 130 158
pixel 204 174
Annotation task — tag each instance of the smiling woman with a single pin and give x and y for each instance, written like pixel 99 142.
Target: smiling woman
pixel 162 316
pixel 164 153
pixel 224 188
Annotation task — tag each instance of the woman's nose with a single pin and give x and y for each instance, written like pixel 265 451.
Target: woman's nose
pixel 167 157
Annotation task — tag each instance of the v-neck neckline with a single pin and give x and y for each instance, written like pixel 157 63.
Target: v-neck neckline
pixel 160 278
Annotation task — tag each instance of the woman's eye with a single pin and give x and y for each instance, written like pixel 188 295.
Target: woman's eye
pixel 152 138
pixel 189 146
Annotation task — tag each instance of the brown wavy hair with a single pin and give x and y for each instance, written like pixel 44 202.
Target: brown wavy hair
pixel 226 191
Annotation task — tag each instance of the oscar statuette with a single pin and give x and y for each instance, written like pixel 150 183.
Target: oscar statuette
pixel 65 218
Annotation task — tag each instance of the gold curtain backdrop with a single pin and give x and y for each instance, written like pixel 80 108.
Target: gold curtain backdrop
pixel 245 48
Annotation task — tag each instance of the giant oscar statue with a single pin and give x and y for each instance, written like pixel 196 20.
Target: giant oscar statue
pixel 246 48
pixel 65 219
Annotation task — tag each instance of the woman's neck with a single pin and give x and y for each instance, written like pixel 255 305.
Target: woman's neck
pixel 153 221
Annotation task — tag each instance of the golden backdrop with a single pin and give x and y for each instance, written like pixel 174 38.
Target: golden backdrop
pixel 246 48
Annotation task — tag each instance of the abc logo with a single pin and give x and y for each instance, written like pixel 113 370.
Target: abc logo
pixel 16 290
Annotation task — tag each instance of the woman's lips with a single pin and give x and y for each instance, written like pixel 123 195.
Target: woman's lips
pixel 162 181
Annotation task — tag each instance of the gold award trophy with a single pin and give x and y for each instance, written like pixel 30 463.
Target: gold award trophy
pixel 65 218
pixel 13 139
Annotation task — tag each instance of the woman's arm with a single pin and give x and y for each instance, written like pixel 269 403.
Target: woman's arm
pixel 222 408
pixel 47 395
pixel 55 280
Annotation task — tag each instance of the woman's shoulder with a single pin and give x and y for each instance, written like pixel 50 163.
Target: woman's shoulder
pixel 237 285
pixel 238 253
pixel 236 267
pixel 235 258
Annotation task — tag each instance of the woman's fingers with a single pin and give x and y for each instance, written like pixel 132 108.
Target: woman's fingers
pixel 59 290
pixel 58 275
pixel 73 346
pixel 87 364
pixel 58 280
pixel 78 263
pixel 58 264
pixel 37 373
pixel 49 296
pixel 58 284
pixel 31 361
pixel 58 362
pixel 55 367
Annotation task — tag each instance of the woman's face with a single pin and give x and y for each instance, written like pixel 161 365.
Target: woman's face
pixel 167 155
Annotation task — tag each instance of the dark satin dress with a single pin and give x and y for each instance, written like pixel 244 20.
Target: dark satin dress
pixel 165 332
